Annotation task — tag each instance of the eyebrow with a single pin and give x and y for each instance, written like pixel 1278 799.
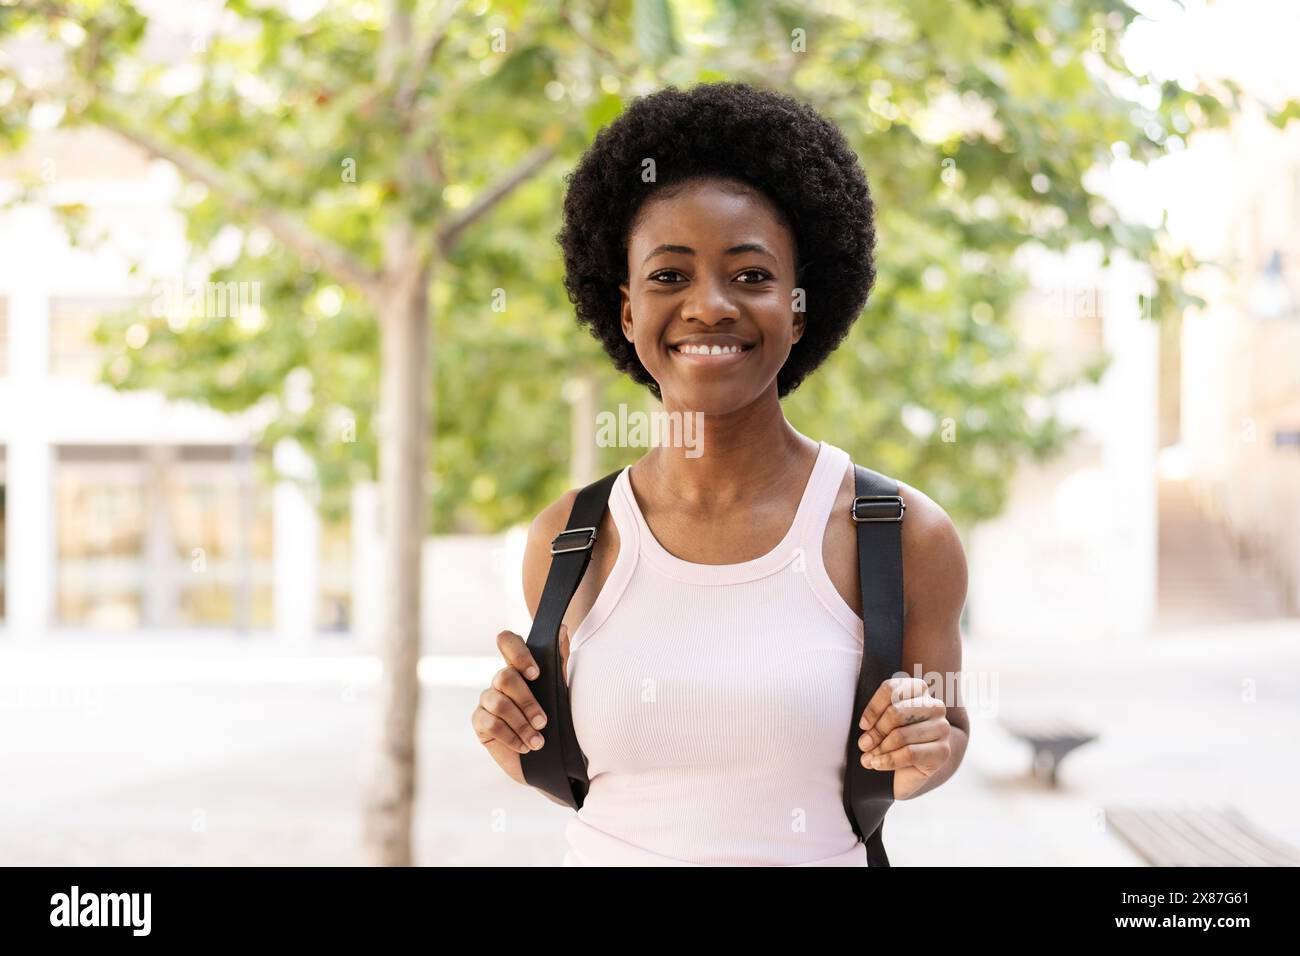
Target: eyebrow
pixel 667 247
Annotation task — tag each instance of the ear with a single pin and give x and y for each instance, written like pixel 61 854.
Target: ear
pixel 799 325
pixel 625 311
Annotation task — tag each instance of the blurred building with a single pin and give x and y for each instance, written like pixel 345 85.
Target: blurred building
pixel 1179 504
pixel 1240 356
pixel 122 511
pixel 1074 553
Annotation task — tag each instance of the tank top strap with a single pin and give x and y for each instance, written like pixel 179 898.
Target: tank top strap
pixel 823 489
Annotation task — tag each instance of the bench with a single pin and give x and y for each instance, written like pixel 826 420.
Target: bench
pixel 1051 738
pixel 1198 836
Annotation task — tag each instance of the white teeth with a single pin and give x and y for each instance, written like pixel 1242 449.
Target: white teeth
pixel 709 350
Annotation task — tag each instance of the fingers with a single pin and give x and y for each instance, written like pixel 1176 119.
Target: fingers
pixel 490 726
pixel 508 712
pixel 926 757
pixel 515 651
pixel 509 682
pixel 906 735
pixel 897 701
pixel 889 691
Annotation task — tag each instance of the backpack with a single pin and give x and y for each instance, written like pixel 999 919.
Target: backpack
pixel 560 767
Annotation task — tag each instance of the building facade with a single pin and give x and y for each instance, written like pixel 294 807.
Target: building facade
pixel 123 512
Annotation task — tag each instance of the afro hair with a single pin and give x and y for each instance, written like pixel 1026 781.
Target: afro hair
pixel 763 138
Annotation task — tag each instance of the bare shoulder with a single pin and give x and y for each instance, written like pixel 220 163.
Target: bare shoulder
pixel 934 561
pixel 549 522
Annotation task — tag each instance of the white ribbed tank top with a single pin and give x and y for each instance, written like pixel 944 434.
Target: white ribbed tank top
pixel 714 702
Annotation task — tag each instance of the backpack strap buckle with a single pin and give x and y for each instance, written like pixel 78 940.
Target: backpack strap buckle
pixel 584 546
pixel 884 506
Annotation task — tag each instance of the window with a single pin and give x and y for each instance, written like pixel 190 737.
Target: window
pixel 100 511
pixel 220 532
pixel 162 536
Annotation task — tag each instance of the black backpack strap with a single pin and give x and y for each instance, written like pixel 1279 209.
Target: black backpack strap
pixel 560 767
pixel 878 511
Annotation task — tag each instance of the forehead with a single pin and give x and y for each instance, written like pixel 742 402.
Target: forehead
pixel 708 211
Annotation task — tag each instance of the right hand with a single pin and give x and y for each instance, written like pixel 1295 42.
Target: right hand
pixel 508 719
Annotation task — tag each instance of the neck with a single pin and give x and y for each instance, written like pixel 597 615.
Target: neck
pixel 740 457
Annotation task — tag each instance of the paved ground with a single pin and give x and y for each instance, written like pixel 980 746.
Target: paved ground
pixel 141 751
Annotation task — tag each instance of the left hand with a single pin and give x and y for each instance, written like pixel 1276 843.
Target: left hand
pixel 906 730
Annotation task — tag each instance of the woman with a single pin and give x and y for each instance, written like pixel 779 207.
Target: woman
pixel 719 242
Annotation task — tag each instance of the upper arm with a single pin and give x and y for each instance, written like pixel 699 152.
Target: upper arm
pixel 537 552
pixel 934 581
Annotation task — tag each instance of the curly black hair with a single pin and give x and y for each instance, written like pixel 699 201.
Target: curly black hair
pixel 766 139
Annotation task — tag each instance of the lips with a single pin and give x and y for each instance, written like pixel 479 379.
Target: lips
pixel 726 356
pixel 714 344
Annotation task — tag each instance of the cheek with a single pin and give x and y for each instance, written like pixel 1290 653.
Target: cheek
pixel 647 334
pixel 648 352
pixel 648 356
pixel 781 328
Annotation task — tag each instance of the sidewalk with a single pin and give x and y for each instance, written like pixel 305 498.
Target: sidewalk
pixel 137 751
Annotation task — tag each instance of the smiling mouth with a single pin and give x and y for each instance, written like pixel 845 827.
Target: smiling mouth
pixel 714 357
pixel 710 350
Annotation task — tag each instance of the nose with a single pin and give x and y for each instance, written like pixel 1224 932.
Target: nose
pixel 708 301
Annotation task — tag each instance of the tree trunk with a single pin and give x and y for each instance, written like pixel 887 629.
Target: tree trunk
pixel 403 456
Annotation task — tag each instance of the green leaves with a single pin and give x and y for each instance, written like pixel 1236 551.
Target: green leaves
pixel 602 112
pixel 654 30
pixel 1286 114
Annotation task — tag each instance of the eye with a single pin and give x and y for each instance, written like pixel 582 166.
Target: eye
pixel 663 272
pixel 763 275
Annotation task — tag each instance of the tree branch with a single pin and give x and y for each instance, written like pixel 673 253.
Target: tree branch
pixel 624 70
pixel 424 58
pixel 298 237
pixel 395 42
pixel 525 170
